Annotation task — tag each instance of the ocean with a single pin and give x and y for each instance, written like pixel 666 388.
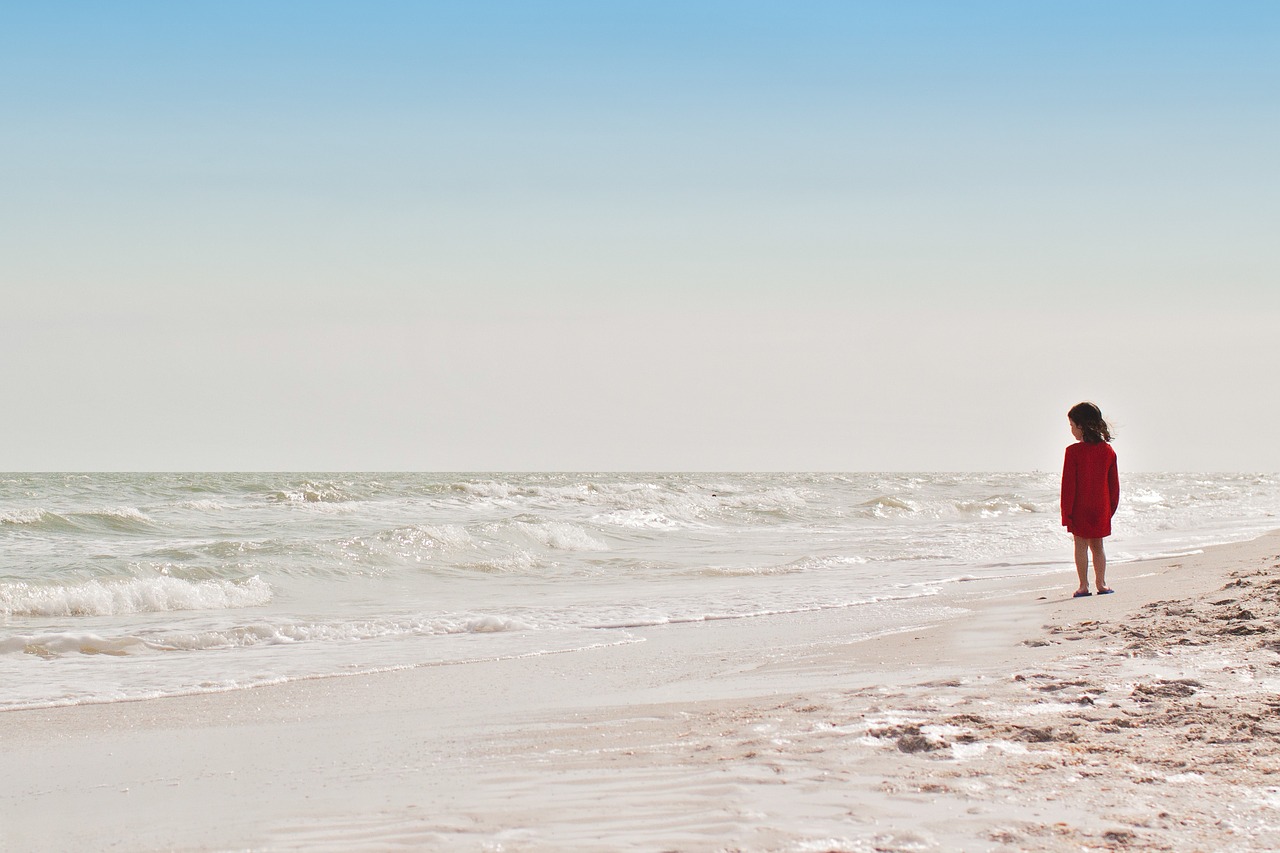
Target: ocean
pixel 118 587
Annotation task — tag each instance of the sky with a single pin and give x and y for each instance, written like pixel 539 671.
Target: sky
pixel 708 235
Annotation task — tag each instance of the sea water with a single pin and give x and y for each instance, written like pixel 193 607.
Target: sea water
pixel 127 586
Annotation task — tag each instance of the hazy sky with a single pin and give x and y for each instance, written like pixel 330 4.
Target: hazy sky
pixel 723 235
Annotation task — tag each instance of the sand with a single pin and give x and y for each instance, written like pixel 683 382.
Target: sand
pixel 1144 720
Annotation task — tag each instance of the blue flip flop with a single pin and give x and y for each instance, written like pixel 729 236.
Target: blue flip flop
pixel 1081 594
pixel 1107 591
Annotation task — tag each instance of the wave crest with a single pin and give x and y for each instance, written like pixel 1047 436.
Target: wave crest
pixel 995 507
pixel 136 595
pixel 126 519
pixel 34 515
pixel 885 506
pixel 36 519
pixel 263 633
pixel 561 536
pixel 311 492
pixel 54 645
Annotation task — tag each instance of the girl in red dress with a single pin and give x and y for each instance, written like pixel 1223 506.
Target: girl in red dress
pixel 1090 492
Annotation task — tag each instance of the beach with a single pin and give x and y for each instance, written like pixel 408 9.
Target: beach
pixel 1031 721
pixel 562 427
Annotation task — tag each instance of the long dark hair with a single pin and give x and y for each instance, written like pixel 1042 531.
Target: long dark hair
pixel 1088 417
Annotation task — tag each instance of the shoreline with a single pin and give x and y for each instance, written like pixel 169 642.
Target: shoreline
pixel 1141 719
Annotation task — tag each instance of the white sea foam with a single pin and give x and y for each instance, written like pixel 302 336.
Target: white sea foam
pixel 804 564
pixel 257 634
pixel 519 562
pixel 749 571
pixel 129 513
pixel 267 633
pixel 133 595
pixel 828 561
pixel 450 537
pixel 206 505
pixel 561 536
pixel 416 542
pixel 994 507
pixel 32 515
pixel 490 491
pixel 310 492
pixel 126 518
pixel 640 519
pixel 93 683
pixel 54 644
pixel 886 506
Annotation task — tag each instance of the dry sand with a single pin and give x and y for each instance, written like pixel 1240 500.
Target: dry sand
pixel 1144 720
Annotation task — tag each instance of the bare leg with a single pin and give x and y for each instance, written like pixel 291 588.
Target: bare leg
pixel 1082 563
pixel 1099 563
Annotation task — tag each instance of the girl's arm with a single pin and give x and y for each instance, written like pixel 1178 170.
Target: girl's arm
pixel 1068 488
pixel 1113 484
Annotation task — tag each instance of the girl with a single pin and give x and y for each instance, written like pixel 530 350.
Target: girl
pixel 1090 492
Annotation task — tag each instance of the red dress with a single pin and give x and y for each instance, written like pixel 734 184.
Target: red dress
pixel 1090 489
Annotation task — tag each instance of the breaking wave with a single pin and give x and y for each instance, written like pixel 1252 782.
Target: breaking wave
pixel 561 536
pixel 136 595
pixel 311 491
pixel 55 644
pixel 264 633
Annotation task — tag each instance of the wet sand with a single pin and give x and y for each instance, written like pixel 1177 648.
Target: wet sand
pixel 1144 720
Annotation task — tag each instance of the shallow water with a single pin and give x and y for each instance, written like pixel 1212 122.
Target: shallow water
pixel 125 586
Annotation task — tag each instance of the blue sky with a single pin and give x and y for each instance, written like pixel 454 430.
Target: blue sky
pixel 716 235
